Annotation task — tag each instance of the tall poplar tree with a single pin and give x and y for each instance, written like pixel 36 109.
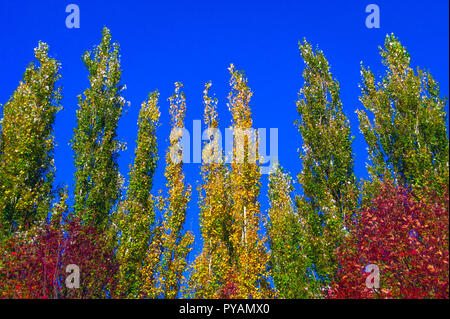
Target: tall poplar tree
pixel 27 143
pixel 167 256
pixel 213 266
pixel 329 186
pixel 95 146
pixel 250 255
pixel 289 265
pixel 407 137
pixel 136 213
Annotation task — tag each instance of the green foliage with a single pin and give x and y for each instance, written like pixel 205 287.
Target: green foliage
pixel 406 133
pixel 289 266
pixel 319 243
pixel 97 179
pixel 26 145
pixel 327 178
pixel 136 213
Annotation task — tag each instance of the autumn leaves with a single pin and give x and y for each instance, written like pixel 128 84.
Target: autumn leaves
pixel 316 243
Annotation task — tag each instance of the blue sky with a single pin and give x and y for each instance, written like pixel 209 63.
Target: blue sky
pixel 195 41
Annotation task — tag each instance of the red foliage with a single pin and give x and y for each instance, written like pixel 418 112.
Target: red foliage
pixel 90 250
pixel 33 262
pixel 30 264
pixel 407 238
pixel 230 289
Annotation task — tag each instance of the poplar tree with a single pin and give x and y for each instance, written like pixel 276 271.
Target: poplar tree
pixel 213 266
pixel 27 144
pixel 249 252
pixel 329 186
pixel 289 265
pixel 95 144
pixel 407 135
pixel 136 213
pixel 168 251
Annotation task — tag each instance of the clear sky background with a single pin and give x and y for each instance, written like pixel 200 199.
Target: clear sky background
pixel 195 41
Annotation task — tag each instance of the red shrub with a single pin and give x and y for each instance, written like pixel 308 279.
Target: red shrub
pixel 230 289
pixel 33 263
pixel 407 238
